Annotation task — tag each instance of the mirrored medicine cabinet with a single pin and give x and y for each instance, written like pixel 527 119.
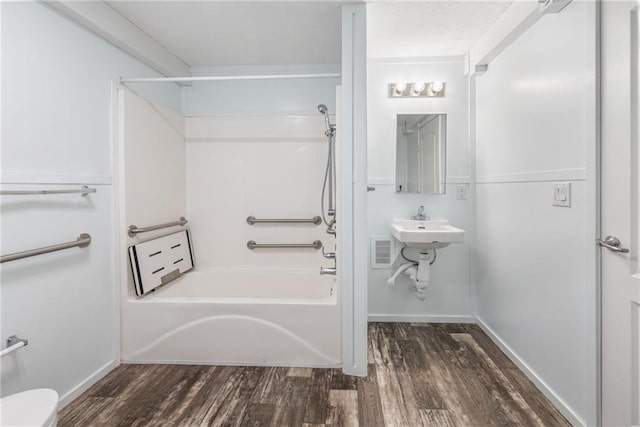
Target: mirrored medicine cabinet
pixel 421 141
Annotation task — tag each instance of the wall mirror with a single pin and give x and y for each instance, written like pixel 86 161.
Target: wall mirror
pixel 421 141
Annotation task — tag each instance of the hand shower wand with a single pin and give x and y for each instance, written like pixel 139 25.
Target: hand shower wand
pixel 329 181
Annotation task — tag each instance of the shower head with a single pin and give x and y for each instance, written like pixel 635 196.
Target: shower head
pixel 325 112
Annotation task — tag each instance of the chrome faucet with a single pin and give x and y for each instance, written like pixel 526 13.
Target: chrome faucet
pixel 328 270
pixel 420 216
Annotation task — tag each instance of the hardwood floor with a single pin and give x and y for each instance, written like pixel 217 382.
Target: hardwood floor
pixel 419 375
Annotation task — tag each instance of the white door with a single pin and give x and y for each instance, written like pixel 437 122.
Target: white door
pixel 620 211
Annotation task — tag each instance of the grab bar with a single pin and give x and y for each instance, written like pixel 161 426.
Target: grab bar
pixel 84 190
pixel 251 244
pixel 13 343
pixel 133 230
pixel 315 220
pixel 82 241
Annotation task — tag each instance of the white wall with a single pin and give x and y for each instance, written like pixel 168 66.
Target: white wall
pixel 535 124
pixel 56 81
pixel 261 96
pixel 449 294
pixel 268 166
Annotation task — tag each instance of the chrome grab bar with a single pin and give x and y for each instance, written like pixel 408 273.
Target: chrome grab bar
pixel 84 190
pixel 251 244
pixel 14 343
pixel 251 220
pixel 133 230
pixel 82 241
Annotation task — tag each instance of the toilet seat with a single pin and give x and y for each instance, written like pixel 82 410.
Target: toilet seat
pixel 30 408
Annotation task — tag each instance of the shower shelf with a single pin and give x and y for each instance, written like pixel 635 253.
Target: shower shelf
pixel 251 220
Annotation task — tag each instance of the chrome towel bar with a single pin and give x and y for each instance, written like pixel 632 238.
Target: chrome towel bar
pixel 251 244
pixel 84 190
pixel 133 230
pixel 13 343
pixel 82 241
pixel 315 220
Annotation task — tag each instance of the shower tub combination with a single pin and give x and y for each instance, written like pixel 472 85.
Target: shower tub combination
pixel 239 305
pixel 229 317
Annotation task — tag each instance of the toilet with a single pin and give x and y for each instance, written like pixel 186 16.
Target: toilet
pixel 33 408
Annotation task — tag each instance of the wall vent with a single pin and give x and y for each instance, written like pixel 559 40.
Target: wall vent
pixel 382 251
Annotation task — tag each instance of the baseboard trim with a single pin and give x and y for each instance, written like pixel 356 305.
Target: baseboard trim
pixel 84 385
pixel 219 363
pixel 420 318
pixel 568 413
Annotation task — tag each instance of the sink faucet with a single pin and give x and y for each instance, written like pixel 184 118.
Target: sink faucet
pixel 420 215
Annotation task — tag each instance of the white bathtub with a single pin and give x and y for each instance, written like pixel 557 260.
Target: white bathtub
pixel 241 317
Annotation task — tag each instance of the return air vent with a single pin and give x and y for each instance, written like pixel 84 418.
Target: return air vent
pixel 381 251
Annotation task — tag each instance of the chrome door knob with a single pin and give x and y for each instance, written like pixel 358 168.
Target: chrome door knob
pixel 613 244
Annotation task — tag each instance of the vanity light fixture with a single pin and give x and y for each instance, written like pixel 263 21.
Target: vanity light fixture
pixel 419 89
pixel 437 87
pixel 400 87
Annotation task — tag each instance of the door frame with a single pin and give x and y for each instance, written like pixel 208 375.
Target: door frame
pixel 352 243
pixel 635 9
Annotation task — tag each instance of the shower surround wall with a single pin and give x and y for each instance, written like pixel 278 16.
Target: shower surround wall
pixel 536 124
pixel 268 166
pixel 449 297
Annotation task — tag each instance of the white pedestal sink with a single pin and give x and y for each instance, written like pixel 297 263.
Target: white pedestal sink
pixel 426 235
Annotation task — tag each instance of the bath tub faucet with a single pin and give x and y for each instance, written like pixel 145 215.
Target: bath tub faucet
pixel 328 270
pixel 328 255
pixel 420 216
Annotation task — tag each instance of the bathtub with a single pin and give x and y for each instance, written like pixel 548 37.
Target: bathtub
pixel 236 317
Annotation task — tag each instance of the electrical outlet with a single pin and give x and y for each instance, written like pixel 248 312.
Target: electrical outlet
pixel 562 194
pixel 461 192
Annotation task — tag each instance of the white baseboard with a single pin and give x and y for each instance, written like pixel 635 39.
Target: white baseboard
pixel 568 413
pixel 420 318
pixel 226 363
pixel 84 386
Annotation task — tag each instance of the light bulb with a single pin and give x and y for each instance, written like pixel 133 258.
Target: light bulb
pixel 437 87
pixel 400 87
pixel 418 87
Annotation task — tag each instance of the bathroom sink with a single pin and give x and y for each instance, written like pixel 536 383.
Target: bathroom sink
pixel 426 235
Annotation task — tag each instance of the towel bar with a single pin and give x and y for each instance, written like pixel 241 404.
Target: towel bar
pixel 84 190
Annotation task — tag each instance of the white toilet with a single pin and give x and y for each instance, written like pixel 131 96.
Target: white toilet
pixel 33 408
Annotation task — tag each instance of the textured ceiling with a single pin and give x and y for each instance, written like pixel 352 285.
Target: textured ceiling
pixel 430 28
pixel 228 33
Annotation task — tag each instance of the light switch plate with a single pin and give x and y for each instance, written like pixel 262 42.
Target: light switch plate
pixel 562 194
pixel 461 192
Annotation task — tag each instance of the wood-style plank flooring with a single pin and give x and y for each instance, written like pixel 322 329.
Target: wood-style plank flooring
pixel 419 375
